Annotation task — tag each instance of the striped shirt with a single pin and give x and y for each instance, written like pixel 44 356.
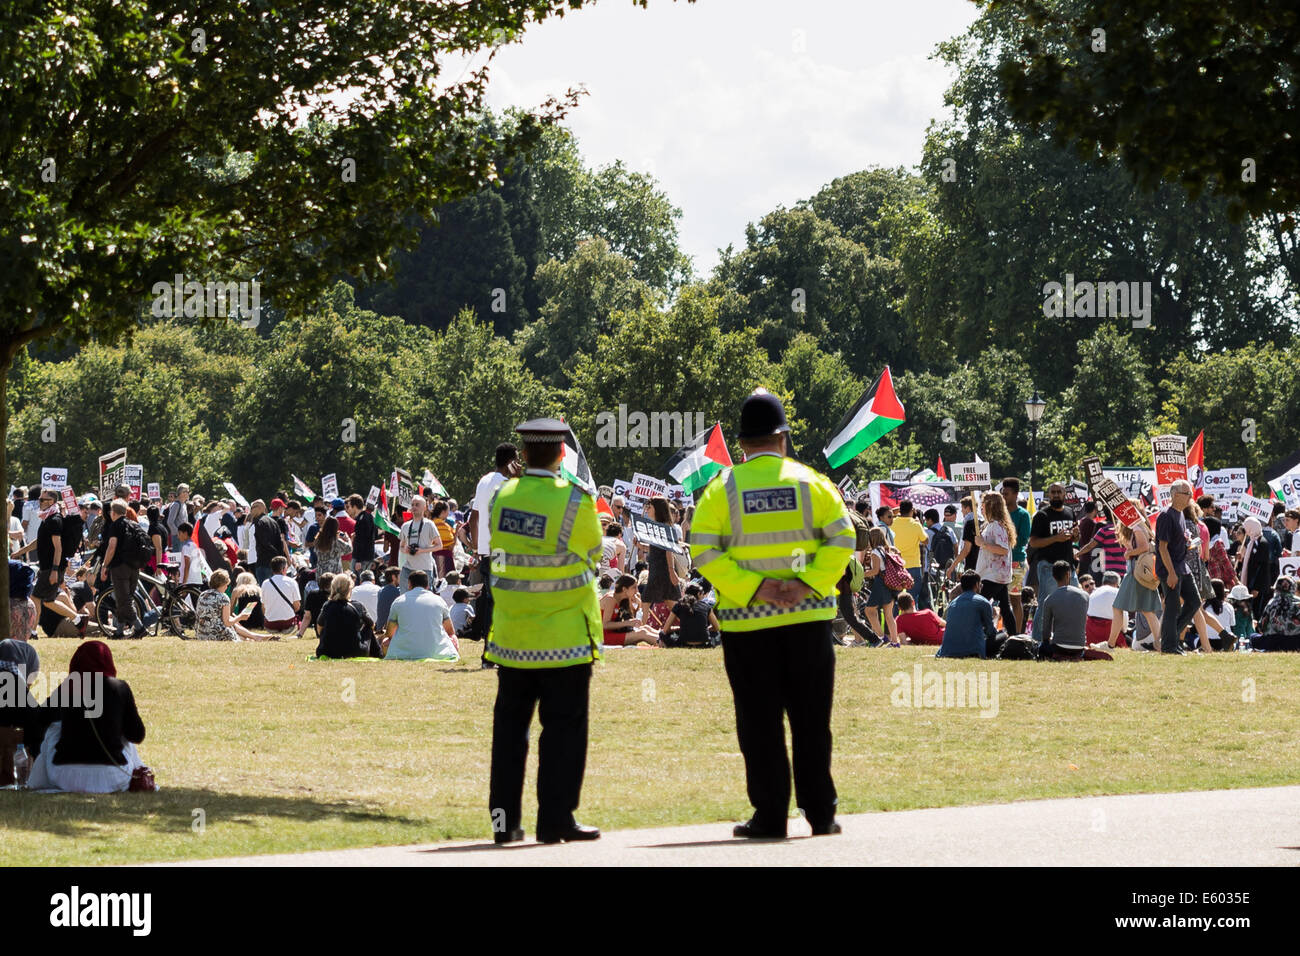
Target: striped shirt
pixel 1109 544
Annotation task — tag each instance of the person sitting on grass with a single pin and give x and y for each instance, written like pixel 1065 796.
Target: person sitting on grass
pixel 248 595
pixel 212 618
pixel 969 631
pixel 345 627
pixel 83 749
pixel 690 623
pixel 618 615
pixel 313 602
pixel 919 627
pixel 1279 625
pixel 420 625
pixel 462 612
pixel 1065 620
pixel 389 593
pixel 280 598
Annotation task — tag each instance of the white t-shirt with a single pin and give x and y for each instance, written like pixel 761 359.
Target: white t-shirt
pixel 487 487
pixel 1101 602
pixel 274 607
pixel 31 520
pixel 367 594
pixel 190 550
pixel 212 524
pixel 446 591
pixel 1227 618
pixel 15 527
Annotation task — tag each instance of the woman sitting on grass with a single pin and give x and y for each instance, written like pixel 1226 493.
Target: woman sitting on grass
pixel 83 754
pixel 213 620
pixel 345 627
pixel 618 615
pixel 689 622
pixel 1279 625
pixel 248 595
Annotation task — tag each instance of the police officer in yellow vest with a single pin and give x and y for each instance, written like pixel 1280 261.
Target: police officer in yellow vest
pixel 774 538
pixel 545 634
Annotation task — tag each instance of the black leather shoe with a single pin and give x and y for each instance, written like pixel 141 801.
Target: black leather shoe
pixel 755 831
pixel 826 829
pixel 508 836
pixel 574 831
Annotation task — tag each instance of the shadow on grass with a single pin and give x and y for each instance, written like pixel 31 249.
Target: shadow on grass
pixel 74 814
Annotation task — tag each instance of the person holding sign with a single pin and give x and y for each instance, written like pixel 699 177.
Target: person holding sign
pixel 774 538
pixel 1178 588
pixel 1134 597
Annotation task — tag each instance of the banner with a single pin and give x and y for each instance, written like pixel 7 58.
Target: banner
pixel 1288 488
pixel 970 474
pixel 155 490
pixel 134 477
pixel 69 500
pixel 645 486
pixel 234 493
pixel 923 495
pixel 54 479
pixel 329 486
pixel 1169 454
pixel 848 489
pixel 112 471
pixel 1251 507
pixel 655 534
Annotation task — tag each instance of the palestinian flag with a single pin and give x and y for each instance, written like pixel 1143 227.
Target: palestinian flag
pixel 303 490
pixel 382 521
pixel 941 471
pixel 433 484
pixel 877 413
pixel 574 467
pixel 694 466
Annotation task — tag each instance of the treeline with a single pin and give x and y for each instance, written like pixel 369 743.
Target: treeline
pixel 563 289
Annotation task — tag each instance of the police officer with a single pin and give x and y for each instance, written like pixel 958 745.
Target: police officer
pixel 774 538
pixel 545 634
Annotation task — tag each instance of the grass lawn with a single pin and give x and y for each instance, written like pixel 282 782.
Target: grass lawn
pixel 258 750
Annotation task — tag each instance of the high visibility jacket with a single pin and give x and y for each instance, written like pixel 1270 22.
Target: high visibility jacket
pixel 545 546
pixel 771 517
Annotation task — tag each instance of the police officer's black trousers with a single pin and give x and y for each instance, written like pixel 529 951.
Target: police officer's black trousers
pixel 561 693
pixel 780 671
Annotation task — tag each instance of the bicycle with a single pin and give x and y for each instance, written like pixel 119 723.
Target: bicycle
pixel 177 609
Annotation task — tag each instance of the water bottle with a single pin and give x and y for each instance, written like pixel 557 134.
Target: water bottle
pixel 1243 645
pixel 22 766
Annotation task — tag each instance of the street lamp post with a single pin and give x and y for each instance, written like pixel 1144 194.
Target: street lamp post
pixel 1034 409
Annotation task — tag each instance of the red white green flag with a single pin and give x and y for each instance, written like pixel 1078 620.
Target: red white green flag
pixel 877 413
pixel 696 463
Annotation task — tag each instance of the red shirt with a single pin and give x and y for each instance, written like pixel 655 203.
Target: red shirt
pixel 922 627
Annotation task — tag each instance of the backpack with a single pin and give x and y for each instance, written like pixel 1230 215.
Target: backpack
pixel 134 549
pixel 857 574
pixel 897 577
pixel 942 548
pixel 1018 647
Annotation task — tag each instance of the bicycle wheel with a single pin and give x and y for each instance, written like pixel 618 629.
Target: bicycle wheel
pixel 106 612
pixel 181 609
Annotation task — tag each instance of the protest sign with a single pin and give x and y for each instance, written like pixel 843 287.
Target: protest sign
pixel 1110 494
pixel 1288 487
pixel 329 486
pixel 655 534
pixel 1251 507
pixel 848 489
pixel 372 499
pixel 53 479
pixel 1169 454
pixel 155 491
pixel 922 494
pixel 405 487
pixel 678 494
pixel 646 486
pixel 1289 566
pixel 69 500
pixel 899 474
pixel 133 475
pixel 234 493
pixel 112 470
pixel 970 474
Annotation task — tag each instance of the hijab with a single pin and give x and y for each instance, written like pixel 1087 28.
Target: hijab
pixel 1253 531
pixel 1282 615
pixel 93 657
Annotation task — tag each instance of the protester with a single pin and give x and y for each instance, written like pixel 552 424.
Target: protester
pixel 1022 523
pixel 997 536
pixel 1052 534
pixel 388 593
pixel 1259 562
pixel 176 514
pixel 1223 617
pixel 1178 589
pixel 364 533
pixel 313 601
pixel 663 585
pixel 1244 623
pixel 1105 624
pixel 462 612
pixel 420 539
pixel 367 594
pixel 266 540
pixel 919 627
pixel 84 749
pixel 344 626
pixel 331 545
pixel 281 599
pixel 444 556
pixel 420 625
pixel 690 623
pixel 910 540
pixel 969 631
pixel 1279 625
pixel 212 618
pixel 1134 597
pixel 619 615
pixel 22 609
pixel 880 600
pixel 1064 616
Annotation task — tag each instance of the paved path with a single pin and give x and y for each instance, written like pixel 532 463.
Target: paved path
pixel 1259 827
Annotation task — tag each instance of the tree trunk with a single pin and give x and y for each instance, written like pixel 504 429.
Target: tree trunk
pixel 4 480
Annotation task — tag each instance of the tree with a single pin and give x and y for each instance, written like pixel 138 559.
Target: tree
pixel 1196 94
pixel 671 363
pixel 860 205
pixel 118 115
pixel 581 297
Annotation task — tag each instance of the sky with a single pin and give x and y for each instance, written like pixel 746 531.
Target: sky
pixel 740 106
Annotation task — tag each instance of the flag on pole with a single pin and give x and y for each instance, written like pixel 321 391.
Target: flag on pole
pixel 1196 459
pixel 574 467
pixel 1029 506
pixel 602 507
pixel 694 465
pixel 433 484
pixel 941 471
pixel 302 489
pixel 382 521
pixel 876 413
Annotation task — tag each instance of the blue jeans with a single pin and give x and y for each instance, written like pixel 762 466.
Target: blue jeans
pixel 918 590
pixel 262 572
pixel 406 573
pixel 1047 586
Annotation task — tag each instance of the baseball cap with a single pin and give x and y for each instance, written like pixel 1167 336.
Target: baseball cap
pixel 336 504
pixel 277 503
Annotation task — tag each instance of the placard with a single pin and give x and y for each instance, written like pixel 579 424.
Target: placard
pixel 1289 566
pixel 898 474
pixel 1288 486
pixel 678 494
pixel 155 490
pixel 134 478
pixel 646 486
pixel 405 487
pixel 970 474
pixel 54 479
pixel 329 486
pixel 372 499
pixel 69 500
pixel 1251 507
pixel 112 471
pixel 234 493
pixel 1169 454
pixel 655 534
